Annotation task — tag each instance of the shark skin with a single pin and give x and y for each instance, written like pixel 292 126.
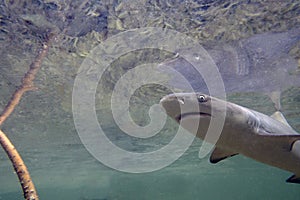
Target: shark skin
pixel 267 139
pixel 260 63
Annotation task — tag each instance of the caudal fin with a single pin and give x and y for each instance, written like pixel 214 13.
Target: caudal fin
pixel 293 179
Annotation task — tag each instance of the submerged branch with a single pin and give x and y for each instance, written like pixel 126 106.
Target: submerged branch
pixel 28 187
pixel 20 168
pixel 27 84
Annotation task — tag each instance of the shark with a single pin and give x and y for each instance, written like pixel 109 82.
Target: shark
pixel 260 63
pixel 267 139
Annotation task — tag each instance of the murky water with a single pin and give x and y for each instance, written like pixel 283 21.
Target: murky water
pixel 42 126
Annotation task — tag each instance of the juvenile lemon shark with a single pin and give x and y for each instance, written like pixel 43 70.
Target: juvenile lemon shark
pixel 267 139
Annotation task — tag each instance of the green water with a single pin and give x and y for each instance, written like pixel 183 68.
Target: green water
pixel 42 126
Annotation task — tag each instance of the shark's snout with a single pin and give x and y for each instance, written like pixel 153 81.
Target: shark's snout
pixel 172 105
pixel 186 105
pixel 171 98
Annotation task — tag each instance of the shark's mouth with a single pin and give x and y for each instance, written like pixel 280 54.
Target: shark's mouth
pixel 184 115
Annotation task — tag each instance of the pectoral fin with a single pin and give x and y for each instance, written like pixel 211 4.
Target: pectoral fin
pixel 295 150
pixel 220 154
pixel 293 179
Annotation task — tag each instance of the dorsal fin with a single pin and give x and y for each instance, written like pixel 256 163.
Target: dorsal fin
pixel 220 154
pixel 279 117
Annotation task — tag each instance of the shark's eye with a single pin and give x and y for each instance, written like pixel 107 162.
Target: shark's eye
pixel 201 98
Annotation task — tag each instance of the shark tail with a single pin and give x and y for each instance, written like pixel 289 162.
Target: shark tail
pixel 294 179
